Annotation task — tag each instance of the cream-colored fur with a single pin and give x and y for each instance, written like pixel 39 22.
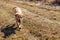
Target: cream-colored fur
pixel 18 12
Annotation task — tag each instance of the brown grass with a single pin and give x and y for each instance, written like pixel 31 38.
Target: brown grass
pixel 39 23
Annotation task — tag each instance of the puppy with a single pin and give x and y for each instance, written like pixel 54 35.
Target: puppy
pixel 18 16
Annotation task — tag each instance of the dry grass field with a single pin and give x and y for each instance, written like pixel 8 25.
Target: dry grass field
pixel 39 23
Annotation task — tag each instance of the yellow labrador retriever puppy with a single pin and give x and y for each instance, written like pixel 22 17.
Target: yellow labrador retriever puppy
pixel 18 16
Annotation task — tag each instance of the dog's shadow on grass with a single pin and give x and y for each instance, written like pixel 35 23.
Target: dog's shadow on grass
pixel 8 30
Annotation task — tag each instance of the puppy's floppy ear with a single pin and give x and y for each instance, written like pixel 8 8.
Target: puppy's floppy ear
pixel 14 10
